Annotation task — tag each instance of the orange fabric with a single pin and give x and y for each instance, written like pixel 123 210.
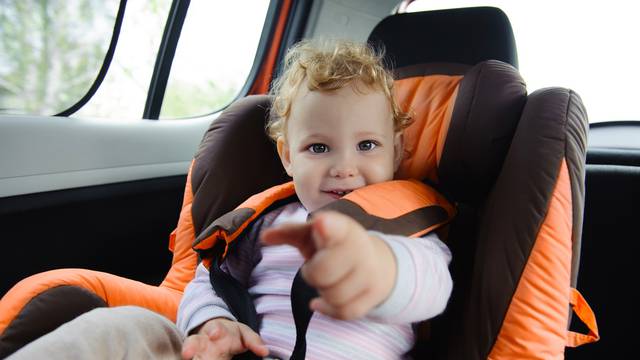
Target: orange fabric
pixel 263 80
pixel 392 199
pixel 114 290
pixel 258 202
pixel 430 100
pixel 185 260
pixel 397 197
pixel 536 321
pixel 584 313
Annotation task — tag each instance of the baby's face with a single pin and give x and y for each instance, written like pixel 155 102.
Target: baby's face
pixel 337 142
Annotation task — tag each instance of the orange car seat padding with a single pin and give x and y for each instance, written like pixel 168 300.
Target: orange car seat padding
pixel 403 207
pixel 429 99
pixel 229 226
pixel 377 205
pixel 184 259
pixel 536 320
pixel 114 290
pixel 584 313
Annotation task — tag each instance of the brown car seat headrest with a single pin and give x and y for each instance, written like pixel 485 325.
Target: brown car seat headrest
pixel 461 36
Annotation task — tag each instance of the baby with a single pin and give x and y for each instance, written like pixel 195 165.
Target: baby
pixel 337 128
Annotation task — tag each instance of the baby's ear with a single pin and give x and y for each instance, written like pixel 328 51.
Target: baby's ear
pixel 285 154
pixel 398 150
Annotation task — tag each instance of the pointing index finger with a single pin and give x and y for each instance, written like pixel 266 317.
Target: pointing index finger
pixel 298 235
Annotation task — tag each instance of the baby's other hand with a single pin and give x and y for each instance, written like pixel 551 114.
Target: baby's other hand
pixel 222 339
pixel 352 270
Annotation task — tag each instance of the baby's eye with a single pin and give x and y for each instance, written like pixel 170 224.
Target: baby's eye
pixel 318 148
pixel 366 145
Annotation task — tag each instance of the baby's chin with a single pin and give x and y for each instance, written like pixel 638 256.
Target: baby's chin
pixel 316 204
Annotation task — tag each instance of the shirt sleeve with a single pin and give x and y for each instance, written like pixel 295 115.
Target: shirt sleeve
pixel 423 283
pixel 200 303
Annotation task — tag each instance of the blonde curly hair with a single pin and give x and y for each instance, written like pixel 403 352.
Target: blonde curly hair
pixel 328 65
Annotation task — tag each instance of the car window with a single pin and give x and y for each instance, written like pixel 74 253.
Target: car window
pixel 123 92
pixel 51 52
pixel 581 45
pixel 214 56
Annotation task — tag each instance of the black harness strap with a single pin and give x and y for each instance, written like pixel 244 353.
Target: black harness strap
pixel 237 298
pixel 301 296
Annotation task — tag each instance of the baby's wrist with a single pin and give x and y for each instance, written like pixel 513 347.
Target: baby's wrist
pixel 198 329
pixel 387 264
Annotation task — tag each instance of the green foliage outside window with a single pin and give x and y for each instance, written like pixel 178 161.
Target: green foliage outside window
pixel 51 52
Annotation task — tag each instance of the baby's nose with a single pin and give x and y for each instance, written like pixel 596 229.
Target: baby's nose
pixel 343 170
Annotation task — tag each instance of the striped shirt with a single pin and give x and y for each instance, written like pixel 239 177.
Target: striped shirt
pixel 421 291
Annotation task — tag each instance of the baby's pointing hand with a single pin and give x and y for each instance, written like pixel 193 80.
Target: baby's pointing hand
pixel 353 271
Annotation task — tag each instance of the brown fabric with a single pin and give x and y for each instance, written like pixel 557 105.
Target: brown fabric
pixel 235 160
pixel 414 222
pixel 46 312
pixel 488 105
pixel 229 223
pixel 576 149
pixel 512 216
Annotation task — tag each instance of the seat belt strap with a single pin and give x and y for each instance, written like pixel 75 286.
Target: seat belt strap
pixel 301 296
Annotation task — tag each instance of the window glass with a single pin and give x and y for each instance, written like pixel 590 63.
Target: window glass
pixel 123 92
pixel 214 56
pixel 581 45
pixel 51 52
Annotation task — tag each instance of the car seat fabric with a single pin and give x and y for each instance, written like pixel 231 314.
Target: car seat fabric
pixel 517 304
pixel 454 36
pixel 515 242
pixel 402 207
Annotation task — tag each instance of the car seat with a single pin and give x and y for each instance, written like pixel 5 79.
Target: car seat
pixel 519 191
pixel 513 163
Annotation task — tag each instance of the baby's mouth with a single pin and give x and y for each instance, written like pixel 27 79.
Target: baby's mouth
pixel 337 193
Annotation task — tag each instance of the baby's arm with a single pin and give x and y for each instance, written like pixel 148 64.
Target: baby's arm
pixel 200 303
pixel 423 282
pixel 357 273
pixel 213 331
